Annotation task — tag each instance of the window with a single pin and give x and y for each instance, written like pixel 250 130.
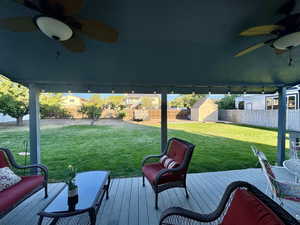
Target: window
pixel 272 102
pixel 241 105
pixel 291 102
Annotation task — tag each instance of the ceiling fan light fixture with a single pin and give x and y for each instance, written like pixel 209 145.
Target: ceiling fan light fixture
pixel 288 41
pixel 54 28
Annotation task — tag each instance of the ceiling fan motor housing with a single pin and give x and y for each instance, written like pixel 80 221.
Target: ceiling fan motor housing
pixel 287 41
pixel 54 28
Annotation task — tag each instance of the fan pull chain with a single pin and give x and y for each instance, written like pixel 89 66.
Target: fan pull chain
pixel 57 55
pixel 290 57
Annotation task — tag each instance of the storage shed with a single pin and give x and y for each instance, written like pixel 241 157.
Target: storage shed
pixel 205 110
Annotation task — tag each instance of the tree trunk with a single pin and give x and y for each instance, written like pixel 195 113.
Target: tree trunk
pixel 20 121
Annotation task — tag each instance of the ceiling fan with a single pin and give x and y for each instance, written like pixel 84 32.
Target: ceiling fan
pixel 285 33
pixel 57 20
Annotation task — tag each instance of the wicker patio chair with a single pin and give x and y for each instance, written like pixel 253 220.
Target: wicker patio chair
pixel 163 177
pixel 283 188
pixel 242 203
pixel 29 185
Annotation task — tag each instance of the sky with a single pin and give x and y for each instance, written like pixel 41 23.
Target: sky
pixel 170 96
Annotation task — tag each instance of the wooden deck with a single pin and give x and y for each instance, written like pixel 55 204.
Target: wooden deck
pixel 132 204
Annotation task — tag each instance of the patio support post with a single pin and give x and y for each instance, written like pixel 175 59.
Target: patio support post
pixel 164 121
pixel 281 126
pixel 34 125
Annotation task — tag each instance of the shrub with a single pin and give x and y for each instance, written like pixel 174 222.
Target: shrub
pixel 121 114
pixel 53 111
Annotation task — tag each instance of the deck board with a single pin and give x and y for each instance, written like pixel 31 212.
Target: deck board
pixel 132 204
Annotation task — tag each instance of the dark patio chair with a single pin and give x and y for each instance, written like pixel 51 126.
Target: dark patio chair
pixel 13 196
pixel 163 177
pixel 242 203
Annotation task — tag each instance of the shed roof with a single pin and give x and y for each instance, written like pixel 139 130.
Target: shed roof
pixel 179 46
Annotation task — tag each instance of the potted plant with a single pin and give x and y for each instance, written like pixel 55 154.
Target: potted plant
pixel 70 181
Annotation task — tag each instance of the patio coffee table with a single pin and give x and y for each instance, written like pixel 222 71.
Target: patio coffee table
pixel 92 186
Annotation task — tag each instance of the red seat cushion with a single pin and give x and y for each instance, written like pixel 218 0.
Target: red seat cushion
pixel 14 194
pixel 3 160
pixel 246 209
pixel 152 169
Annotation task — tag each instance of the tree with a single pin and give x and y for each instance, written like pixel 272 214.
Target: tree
pixel 115 102
pixel 13 99
pixel 186 101
pixel 228 102
pixel 51 106
pixel 93 107
pixel 147 102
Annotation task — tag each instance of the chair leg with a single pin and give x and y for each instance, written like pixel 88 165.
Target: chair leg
pixel 46 191
pixel 156 200
pixel 186 193
pixel 143 180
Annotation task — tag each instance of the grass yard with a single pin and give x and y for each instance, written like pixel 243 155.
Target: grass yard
pixel 122 148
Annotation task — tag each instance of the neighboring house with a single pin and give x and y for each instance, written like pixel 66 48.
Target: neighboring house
pixel 136 100
pixel 72 101
pixel 268 101
pixel 205 110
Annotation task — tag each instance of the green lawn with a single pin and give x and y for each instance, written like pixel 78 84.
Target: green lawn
pixel 121 148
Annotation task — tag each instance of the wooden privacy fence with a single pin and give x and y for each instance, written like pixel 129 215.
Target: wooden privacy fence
pixel 263 118
pixel 154 114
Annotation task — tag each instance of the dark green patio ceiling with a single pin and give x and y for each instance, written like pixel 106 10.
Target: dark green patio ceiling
pixel 171 45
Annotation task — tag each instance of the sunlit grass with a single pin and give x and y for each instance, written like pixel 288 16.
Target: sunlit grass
pixel 121 149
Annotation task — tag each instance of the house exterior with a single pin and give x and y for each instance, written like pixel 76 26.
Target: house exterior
pixel 268 101
pixel 135 100
pixel 205 110
pixel 72 101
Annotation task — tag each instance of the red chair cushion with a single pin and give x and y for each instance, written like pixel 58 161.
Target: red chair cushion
pixel 14 194
pixel 177 151
pixel 152 169
pixel 3 160
pixel 246 209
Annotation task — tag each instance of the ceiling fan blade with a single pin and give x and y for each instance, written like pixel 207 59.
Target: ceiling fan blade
pixel 75 44
pixel 70 7
pixel 262 30
pixel 18 24
pixel 287 8
pixel 250 49
pixel 32 4
pixel 98 31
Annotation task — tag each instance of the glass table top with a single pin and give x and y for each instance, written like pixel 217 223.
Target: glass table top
pixel 90 185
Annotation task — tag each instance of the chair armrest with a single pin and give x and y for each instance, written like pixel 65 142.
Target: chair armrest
pixel 151 157
pixel 177 215
pixel 43 168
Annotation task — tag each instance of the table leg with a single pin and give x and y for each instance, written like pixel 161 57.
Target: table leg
pixel 107 187
pixel 93 216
